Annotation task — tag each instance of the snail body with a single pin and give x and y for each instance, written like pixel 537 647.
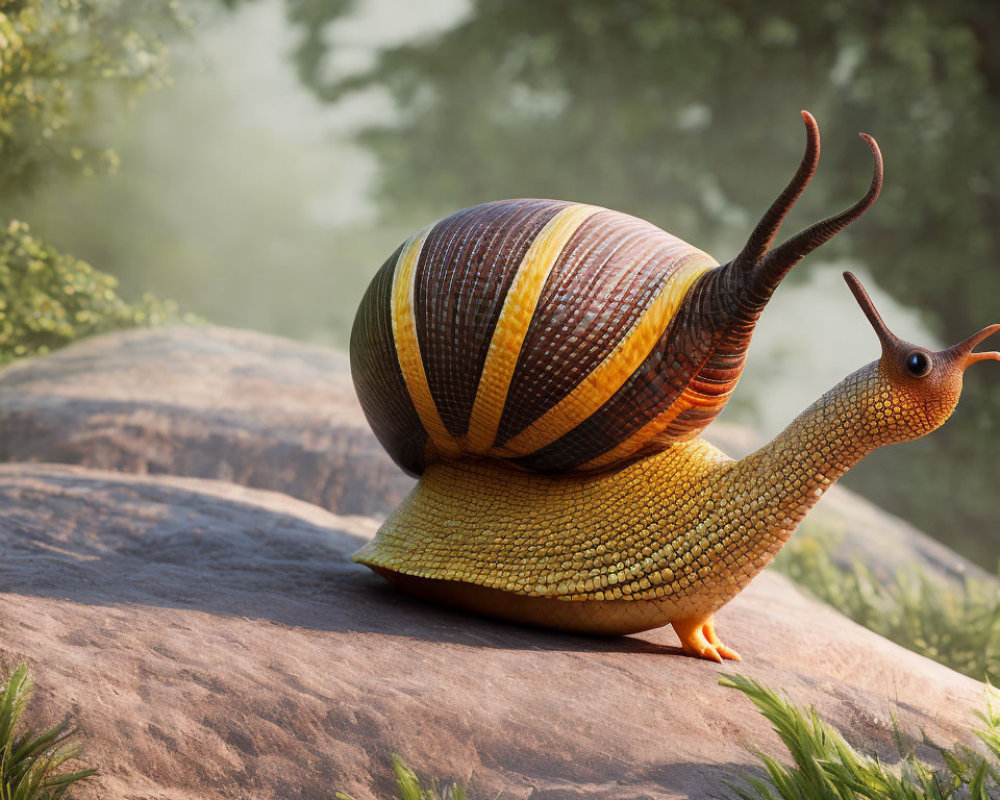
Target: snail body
pixel 545 367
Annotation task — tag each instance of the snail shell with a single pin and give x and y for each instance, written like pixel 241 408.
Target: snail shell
pixel 559 336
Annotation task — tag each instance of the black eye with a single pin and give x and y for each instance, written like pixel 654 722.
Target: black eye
pixel 918 363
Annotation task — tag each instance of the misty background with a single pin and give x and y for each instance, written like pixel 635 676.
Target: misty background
pixel 298 142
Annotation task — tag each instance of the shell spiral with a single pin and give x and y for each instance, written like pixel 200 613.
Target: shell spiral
pixel 556 336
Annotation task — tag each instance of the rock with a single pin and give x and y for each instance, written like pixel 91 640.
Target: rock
pixel 205 402
pixel 216 642
pixel 270 413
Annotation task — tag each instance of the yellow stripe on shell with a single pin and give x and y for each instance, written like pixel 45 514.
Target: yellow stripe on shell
pixel 689 399
pixel 515 316
pixel 404 334
pixel 608 377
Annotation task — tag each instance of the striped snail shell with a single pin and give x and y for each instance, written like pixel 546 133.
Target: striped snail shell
pixel 559 336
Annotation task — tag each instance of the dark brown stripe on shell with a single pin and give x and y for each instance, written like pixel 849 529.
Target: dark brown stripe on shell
pixel 466 267
pixel 378 379
pixel 717 378
pixel 660 380
pixel 602 282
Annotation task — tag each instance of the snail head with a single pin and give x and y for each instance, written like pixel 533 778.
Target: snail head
pixel 914 389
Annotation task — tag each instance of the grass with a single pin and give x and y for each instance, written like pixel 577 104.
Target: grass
pixel 826 767
pixel 411 788
pixel 954 624
pixel 33 765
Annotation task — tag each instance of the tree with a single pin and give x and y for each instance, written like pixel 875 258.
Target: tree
pixel 49 299
pixel 684 114
pixel 61 63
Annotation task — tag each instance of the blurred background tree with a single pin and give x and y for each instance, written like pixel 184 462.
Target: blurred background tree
pixel 685 114
pixel 61 65
pixel 303 139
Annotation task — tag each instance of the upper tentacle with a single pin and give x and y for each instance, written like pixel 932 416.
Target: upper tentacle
pixel 769 271
pixel 762 238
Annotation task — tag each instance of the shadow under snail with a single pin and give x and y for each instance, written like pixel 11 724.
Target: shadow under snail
pixel 545 368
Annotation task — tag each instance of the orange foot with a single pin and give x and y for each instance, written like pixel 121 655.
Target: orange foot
pixel 698 639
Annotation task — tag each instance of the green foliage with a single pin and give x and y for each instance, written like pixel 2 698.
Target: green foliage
pixel 965 762
pixel 954 624
pixel 57 59
pixel 645 105
pixel 60 62
pixel 32 764
pixel 828 768
pixel 48 299
pixel 410 787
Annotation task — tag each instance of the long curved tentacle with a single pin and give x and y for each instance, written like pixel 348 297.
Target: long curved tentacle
pixel 768 272
pixel 762 237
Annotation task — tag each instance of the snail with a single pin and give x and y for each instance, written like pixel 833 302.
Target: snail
pixel 546 367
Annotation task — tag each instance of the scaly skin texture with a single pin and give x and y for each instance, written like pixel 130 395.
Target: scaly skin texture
pixel 669 539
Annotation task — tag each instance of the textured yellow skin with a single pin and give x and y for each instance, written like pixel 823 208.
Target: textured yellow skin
pixel 669 539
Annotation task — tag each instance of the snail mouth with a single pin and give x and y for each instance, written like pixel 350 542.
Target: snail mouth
pixel 962 352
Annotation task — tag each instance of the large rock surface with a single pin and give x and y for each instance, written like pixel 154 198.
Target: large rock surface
pixel 270 413
pixel 204 402
pixel 216 642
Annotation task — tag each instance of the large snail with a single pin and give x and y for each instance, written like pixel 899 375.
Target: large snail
pixel 545 368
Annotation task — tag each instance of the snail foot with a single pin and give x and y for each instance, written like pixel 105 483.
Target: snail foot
pixel 698 638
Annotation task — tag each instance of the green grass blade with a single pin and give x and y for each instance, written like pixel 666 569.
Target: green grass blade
pixel 32 763
pixel 827 767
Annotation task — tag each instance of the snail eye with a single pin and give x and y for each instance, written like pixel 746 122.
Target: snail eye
pixel 918 364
